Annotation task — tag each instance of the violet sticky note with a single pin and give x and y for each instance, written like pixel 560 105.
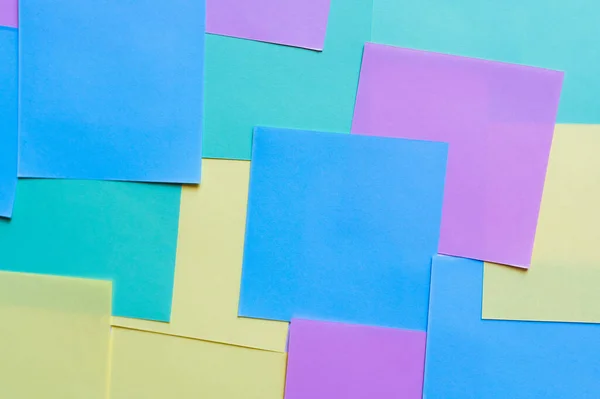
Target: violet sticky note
pixel 341 227
pixel 111 90
pixel 9 13
pixel 298 23
pixel 335 360
pixel 498 120
pixel 8 119
pixel 471 358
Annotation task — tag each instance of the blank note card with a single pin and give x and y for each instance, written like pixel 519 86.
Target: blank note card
pixel 341 227
pixel 9 15
pixel 298 23
pixel 54 336
pixel 337 360
pixel 111 90
pixel 157 366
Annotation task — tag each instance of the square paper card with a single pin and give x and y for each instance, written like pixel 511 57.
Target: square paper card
pixel 336 360
pixel 498 120
pixel 341 227
pixel 111 90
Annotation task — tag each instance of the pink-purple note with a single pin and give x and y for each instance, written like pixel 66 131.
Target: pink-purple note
pixel 298 23
pixel 9 15
pixel 498 120
pixel 335 360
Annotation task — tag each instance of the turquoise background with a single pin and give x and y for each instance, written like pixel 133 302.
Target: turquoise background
pixel 555 34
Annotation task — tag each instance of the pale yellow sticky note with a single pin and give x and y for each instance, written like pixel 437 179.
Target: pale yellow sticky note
pixel 148 365
pixel 209 264
pixel 563 281
pixel 54 337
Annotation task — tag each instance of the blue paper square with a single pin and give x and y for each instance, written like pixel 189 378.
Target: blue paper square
pixel 468 357
pixel 111 90
pixel 341 227
pixel 8 119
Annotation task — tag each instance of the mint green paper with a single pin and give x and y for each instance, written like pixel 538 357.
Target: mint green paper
pixel 251 83
pixel 124 232
pixel 555 34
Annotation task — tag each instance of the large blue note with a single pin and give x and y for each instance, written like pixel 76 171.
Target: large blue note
pixel 471 358
pixel 111 90
pixel 341 227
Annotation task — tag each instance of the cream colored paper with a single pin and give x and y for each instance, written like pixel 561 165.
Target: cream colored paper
pixel 54 336
pixel 148 365
pixel 564 279
pixel 209 264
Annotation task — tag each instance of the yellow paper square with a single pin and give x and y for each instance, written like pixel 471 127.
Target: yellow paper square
pixel 562 283
pixel 208 269
pixel 148 365
pixel 54 337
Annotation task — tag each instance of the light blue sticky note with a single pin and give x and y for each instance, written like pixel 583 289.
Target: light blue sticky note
pixel 250 83
pixel 8 119
pixel 471 358
pixel 554 34
pixel 341 227
pixel 111 90
pixel 124 232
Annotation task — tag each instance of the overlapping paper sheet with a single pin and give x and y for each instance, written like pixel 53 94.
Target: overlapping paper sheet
pixel 471 358
pixel 553 34
pixel 292 23
pixel 341 227
pixel 124 232
pixel 9 14
pixel 209 265
pixel 498 120
pixel 148 365
pixel 562 284
pixel 54 336
pixel 8 115
pixel 251 83
pixel 111 91
pixel 335 360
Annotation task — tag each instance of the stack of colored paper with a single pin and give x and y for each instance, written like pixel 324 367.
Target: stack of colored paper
pixel 299 199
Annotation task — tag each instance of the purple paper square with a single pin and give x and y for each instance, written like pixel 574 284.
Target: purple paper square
pixel 298 23
pixel 9 15
pixel 335 360
pixel 498 120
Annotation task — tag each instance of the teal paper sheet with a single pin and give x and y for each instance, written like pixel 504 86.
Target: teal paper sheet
pixel 251 83
pixel 124 232
pixel 553 34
